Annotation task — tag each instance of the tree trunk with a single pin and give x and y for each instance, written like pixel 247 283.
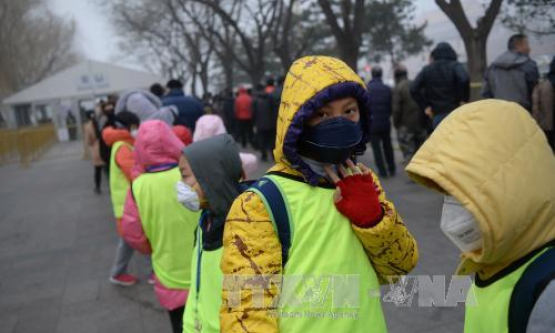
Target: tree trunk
pixel 349 54
pixel 194 84
pixel 228 75
pixel 476 63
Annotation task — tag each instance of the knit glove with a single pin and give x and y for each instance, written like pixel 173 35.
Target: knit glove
pixel 357 199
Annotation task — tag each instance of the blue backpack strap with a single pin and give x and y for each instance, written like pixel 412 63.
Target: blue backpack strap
pixel 275 205
pixel 528 289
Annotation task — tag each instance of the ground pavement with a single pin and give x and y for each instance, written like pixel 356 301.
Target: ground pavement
pixel 57 242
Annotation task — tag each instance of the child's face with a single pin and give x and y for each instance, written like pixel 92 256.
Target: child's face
pixel 345 107
pixel 188 177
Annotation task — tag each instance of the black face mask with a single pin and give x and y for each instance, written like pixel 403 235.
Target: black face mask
pixel 331 141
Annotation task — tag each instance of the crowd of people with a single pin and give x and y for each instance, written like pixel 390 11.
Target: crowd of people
pixel 227 251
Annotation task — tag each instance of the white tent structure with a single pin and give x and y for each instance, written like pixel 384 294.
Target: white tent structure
pixel 53 98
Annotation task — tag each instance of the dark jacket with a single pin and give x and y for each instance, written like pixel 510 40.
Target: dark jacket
pixel 443 84
pixel 511 77
pixel 262 112
pixel 190 109
pixel 380 106
pixel 406 112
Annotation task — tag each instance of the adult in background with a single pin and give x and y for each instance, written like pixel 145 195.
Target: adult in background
pixel 92 134
pixel 243 115
pixel 543 103
pixel 189 108
pixel 158 90
pixel 408 120
pixel 106 119
pixel 380 127
pixel 513 75
pixel 275 101
pixel 263 121
pixel 441 86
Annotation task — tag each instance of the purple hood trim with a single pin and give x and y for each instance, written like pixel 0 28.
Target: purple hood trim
pixel 328 94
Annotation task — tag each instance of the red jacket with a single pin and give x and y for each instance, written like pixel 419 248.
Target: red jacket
pixel 243 105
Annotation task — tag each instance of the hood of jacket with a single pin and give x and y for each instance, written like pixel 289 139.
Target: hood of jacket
pixel 183 133
pixel 444 51
pixel 111 135
pixel 492 156
pixel 145 105
pixel 311 83
pixel 156 144
pixel 510 60
pixel 208 126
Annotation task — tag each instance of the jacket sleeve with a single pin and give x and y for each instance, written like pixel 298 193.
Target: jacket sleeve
pixel 132 227
pixel 389 245
pixel 416 90
pixel 251 248
pixel 397 107
pixel 464 82
pixel 486 89
pixel 531 75
pixel 125 160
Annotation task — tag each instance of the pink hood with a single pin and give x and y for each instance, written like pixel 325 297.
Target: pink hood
pixel 156 144
pixel 208 126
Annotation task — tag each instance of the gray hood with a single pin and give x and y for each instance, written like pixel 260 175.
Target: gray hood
pixel 510 60
pixel 146 106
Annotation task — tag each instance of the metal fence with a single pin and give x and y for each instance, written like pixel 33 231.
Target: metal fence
pixel 29 144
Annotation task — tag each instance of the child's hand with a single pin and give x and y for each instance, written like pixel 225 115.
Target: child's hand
pixel 356 196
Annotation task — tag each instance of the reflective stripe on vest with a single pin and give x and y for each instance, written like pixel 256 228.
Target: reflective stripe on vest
pixel 168 225
pixel 329 284
pixel 487 308
pixel 119 185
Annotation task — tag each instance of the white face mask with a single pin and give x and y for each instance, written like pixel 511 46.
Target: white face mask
pixel 460 226
pixel 187 196
pixel 134 133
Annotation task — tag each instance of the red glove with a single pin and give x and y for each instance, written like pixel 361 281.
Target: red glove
pixel 359 201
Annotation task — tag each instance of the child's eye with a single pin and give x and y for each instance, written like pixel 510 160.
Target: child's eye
pixel 321 115
pixel 351 111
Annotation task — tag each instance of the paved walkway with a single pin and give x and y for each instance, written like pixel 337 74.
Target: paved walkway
pixel 57 242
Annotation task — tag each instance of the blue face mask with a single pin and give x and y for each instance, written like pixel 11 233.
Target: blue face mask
pixel 331 141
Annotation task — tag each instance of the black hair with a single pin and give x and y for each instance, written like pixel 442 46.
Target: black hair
pixel 174 84
pixel 377 72
pixel 127 119
pixel 157 89
pixel 515 39
pixel 270 82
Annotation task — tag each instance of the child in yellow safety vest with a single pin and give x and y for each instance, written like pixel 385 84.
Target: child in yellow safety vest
pixel 154 222
pixel 121 139
pixel 342 230
pixel 496 170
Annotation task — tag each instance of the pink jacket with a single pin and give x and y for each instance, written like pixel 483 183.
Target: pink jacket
pixel 156 147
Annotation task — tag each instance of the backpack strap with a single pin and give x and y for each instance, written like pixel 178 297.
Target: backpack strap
pixel 274 202
pixel 528 289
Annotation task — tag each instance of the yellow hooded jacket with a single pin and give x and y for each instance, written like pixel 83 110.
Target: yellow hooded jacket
pixel 251 245
pixel 492 156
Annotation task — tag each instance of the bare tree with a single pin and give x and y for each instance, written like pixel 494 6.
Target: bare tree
pixel 35 44
pixel 297 31
pixel 253 23
pixel 474 38
pixel 177 47
pixel 347 25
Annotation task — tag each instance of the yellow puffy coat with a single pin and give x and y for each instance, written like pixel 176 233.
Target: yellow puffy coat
pixel 492 156
pixel 251 245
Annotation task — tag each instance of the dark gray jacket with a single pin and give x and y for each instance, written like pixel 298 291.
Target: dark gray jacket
pixel 511 77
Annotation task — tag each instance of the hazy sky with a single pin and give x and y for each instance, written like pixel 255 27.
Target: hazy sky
pixel 96 36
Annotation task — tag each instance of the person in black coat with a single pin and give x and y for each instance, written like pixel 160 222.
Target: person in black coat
pixel 380 128
pixel 441 86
